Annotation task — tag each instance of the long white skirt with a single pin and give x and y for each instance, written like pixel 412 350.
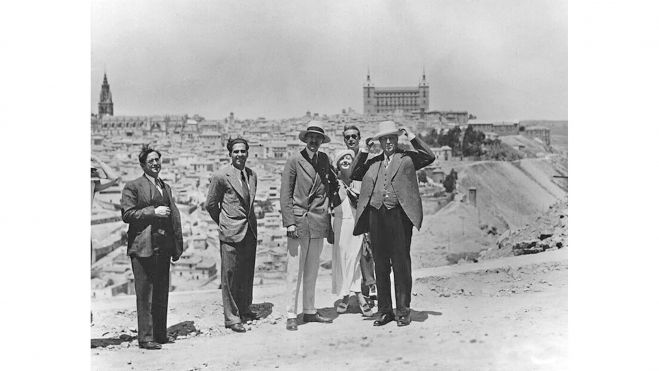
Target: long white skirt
pixel 347 250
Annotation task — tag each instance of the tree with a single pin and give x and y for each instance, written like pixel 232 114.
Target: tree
pixel 472 141
pixel 450 181
pixel 452 139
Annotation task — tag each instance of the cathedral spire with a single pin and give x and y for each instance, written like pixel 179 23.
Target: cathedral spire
pixel 105 105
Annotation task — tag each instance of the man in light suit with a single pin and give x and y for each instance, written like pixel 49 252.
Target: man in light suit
pixel 154 237
pixel 230 203
pixel 388 206
pixel 306 184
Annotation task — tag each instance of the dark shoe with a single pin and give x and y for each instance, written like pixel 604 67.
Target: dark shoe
pixel 150 345
pixel 167 340
pixel 315 318
pixel 236 327
pixel 291 324
pixel 404 320
pixel 249 316
pixel 384 319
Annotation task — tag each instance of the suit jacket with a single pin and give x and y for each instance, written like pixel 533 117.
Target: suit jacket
pixel 304 195
pixel 403 167
pixel 138 210
pixel 229 207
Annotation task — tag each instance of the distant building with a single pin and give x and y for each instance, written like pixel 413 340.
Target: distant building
pixel 539 132
pixel 390 99
pixel 450 117
pixel 506 128
pixel 105 105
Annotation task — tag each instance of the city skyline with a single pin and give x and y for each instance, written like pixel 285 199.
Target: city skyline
pixel 496 60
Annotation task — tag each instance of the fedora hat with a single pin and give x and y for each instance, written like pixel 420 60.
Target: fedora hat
pixel 386 128
pixel 314 127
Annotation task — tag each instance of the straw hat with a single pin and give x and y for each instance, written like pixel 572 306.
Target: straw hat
pixel 386 128
pixel 314 127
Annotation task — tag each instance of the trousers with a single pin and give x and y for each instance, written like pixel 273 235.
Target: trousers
pixel 237 275
pixel 303 261
pixel 152 292
pixel 391 236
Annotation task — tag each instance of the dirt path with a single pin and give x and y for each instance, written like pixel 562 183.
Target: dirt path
pixel 504 314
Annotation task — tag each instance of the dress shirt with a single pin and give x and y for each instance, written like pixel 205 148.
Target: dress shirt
pixel 153 180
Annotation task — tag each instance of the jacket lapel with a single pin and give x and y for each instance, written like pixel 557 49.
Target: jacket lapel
pixel 306 165
pixel 396 160
pixel 236 184
pixel 148 188
pixel 252 187
pixel 379 159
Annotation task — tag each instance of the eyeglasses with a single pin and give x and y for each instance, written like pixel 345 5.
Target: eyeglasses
pixel 351 136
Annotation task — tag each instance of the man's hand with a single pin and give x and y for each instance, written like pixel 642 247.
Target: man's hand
pixel 405 131
pixel 291 231
pixel 162 211
pixel 369 144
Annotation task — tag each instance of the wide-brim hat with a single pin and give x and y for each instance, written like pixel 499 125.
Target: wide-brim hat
pixel 339 154
pixel 314 127
pixel 386 128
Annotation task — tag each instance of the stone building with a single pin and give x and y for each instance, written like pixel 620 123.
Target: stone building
pixel 390 99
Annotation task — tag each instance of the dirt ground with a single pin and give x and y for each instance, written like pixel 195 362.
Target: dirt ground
pixel 502 314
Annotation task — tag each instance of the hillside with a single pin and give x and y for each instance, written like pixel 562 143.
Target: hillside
pixel 509 195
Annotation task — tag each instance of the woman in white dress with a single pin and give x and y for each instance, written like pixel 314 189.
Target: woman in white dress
pixel 347 249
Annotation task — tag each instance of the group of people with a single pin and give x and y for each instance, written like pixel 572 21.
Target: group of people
pixel 373 197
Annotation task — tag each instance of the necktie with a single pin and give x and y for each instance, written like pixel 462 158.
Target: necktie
pixel 314 160
pixel 245 185
pixel 160 185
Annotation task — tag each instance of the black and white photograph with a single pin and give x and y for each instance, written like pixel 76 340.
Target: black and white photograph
pixel 329 185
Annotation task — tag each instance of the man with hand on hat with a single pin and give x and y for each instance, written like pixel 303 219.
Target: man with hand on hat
pixel 306 185
pixel 389 205
pixel 230 203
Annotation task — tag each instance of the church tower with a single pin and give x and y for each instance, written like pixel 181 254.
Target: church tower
pixel 424 93
pixel 369 95
pixel 105 105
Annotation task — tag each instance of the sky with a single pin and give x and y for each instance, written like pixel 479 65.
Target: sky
pixel 499 59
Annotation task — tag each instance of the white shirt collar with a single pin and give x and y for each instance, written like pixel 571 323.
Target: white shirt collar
pixel 310 153
pixel 151 179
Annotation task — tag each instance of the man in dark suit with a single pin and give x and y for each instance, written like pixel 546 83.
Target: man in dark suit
pixel 306 184
pixel 389 205
pixel 154 237
pixel 230 203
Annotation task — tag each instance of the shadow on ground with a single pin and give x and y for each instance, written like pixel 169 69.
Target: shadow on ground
pixel 179 329
pixel 420 316
pixel 184 328
pixel 262 310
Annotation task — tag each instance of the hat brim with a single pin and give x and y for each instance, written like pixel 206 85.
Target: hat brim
pixel 304 133
pixel 385 133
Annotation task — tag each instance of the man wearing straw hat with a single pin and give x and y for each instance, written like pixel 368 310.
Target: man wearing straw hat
pixel 306 184
pixel 389 205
